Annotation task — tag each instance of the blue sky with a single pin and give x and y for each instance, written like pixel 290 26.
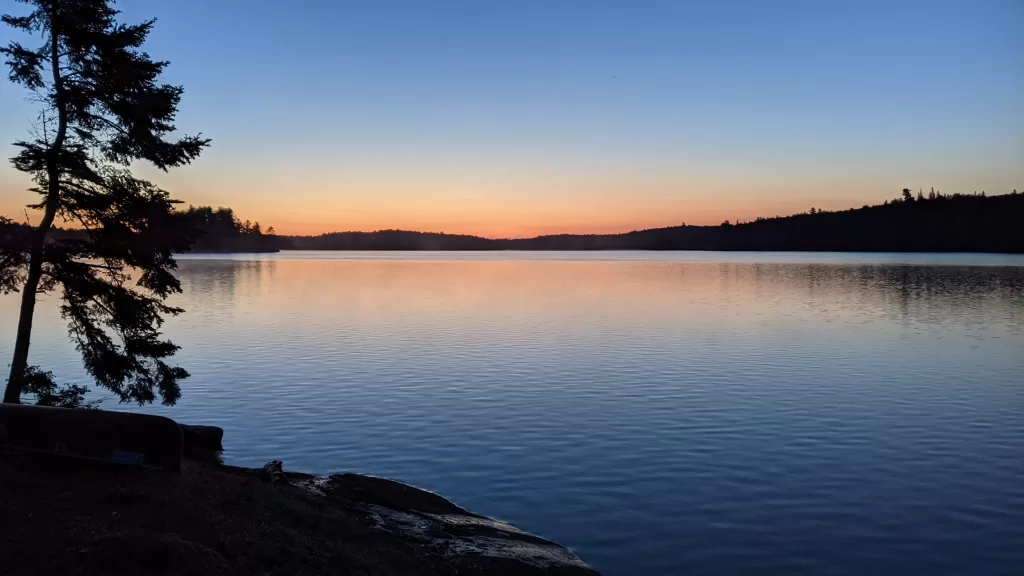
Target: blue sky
pixel 513 118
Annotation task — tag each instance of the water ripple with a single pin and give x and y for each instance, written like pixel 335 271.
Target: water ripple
pixel 660 414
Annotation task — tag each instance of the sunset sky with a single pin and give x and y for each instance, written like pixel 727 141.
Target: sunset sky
pixel 529 117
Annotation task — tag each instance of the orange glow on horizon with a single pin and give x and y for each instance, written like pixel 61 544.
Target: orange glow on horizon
pixel 489 218
pixel 521 206
pixel 503 201
pixel 510 221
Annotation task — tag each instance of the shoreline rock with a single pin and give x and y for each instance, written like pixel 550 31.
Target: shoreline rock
pixel 76 516
pixel 474 544
pixel 434 525
pixel 90 513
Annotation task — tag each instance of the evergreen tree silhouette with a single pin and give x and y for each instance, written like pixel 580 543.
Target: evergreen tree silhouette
pixel 102 108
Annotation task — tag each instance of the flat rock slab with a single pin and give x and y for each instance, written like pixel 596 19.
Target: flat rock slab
pixel 443 532
pixel 73 516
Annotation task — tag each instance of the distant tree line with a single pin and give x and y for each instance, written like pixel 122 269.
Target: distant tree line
pixel 921 222
pixel 220 230
pixel 932 222
pixel 387 240
pixel 211 230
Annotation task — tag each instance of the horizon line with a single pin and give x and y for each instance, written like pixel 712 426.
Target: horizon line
pixel 736 222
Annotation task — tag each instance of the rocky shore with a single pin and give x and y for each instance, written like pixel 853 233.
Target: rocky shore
pixel 66 516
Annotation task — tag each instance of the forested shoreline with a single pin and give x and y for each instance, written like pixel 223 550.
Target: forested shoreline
pixel 926 222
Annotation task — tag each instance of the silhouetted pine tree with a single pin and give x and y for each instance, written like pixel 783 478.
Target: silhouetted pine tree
pixel 102 108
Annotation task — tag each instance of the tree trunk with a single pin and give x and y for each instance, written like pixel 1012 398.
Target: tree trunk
pixel 12 395
pixel 19 363
pixel 15 382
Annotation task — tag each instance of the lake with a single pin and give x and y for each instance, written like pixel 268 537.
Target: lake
pixel 659 413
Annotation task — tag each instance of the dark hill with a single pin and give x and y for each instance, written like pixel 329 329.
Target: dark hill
pixel 387 240
pixel 938 223
pixel 957 223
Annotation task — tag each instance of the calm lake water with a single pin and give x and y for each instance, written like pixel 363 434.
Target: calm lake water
pixel 659 413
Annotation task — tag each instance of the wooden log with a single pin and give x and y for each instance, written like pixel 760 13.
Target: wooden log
pixel 119 437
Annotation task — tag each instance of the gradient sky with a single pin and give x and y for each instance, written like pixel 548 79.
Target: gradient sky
pixel 520 118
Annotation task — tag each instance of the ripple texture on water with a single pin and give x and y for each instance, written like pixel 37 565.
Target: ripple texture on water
pixel 657 415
